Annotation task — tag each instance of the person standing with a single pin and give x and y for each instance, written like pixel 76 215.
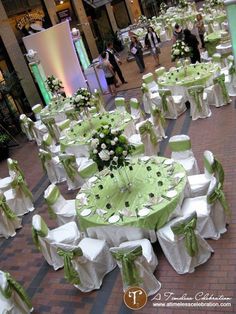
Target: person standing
pixel 114 61
pixel 108 72
pixel 152 42
pixel 201 29
pixel 137 52
pixel 192 42
pixel 178 33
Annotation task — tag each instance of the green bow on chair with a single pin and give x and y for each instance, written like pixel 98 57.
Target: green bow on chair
pixel 98 101
pixel 218 194
pixel 68 163
pixel 232 70
pixel 43 232
pixel 51 200
pixel 187 228
pixel 221 81
pixel 44 157
pixel 19 183
pixel 127 257
pixel 196 92
pixel 147 128
pixel 164 94
pixel 69 272
pixel 219 171
pixel 14 166
pixel 180 146
pixel 13 285
pixel 49 122
pixel 5 208
pixel 158 117
pixel 144 88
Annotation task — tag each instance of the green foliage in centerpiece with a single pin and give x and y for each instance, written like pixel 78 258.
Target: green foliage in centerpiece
pixel 183 4
pixel 180 50
pixel 54 84
pixel 82 99
pixel 214 3
pixel 109 148
pixel 163 7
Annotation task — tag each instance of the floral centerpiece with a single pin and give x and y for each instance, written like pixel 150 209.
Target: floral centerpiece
pixel 82 101
pixel 214 3
pixel 142 19
pixel 183 4
pixel 179 50
pixel 54 84
pixel 163 7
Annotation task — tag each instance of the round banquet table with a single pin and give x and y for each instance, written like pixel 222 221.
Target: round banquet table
pixel 105 208
pixel 180 79
pixel 56 109
pixel 77 138
pixel 211 41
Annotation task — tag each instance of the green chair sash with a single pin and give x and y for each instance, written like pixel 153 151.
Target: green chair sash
pixel 37 108
pixel 64 125
pixel 44 157
pixel 43 232
pixel 47 141
pixel 158 118
pixel 134 104
pixel 19 183
pixel 218 194
pixel 13 285
pixel 50 122
pixel 88 171
pixel 14 166
pixel 51 200
pixel 148 79
pixel 164 94
pixel 120 102
pixel 159 72
pixel 216 58
pixel 70 273
pixel 30 125
pixel 180 146
pixel 144 88
pixel 69 165
pixel 98 101
pixel 187 228
pixel 6 209
pixel 147 128
pixel 232 70
pixel 221 81
pixel 207 165
pixel 197 93
pixel 127 257
pixel 71 115
pixel 219 171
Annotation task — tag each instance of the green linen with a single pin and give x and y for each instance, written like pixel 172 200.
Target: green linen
pixel 6 209
pixel 64 125
pixel 134 104
pixel 49 123
pixel 120 102
pixel 44 157
pixel 69 163
pixel 211 41
pixel 158 118
pixel 232 70
pixel 13 285
pixel 148 79
pixel 70 273
pixel 71 114
pixel 159 72
pixel 147 128
pixel 197 93
pixel 221 81
pixel 98 101
pixel 164 94
pixel 88 171
pixel 82 132
pixel 144 88
pixel 14 166
pixel 47 141
pixel 218 194
pixel 37 108
pixel 43 232
pixel 180 146
pixel 147 178
pixel 207 165
pixel 219 171
pixel 51 200
pixel 127 257
pixel 19 183
pixel 187 228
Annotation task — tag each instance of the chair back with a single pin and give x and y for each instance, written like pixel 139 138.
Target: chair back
pixel 4 207
pixel 19 185
pixel 220 80
pixel 196 94
pixel 208 160
pixel 180 146
pixel 69 163
pixel 159 72
pixel 134 107
pixel 149 80
pixel 36 110
pixel 149 137
pixel 39 229
pixel 120 103
pixel 164 94
pixel 54 199
pixel 14 167
pixel 49 122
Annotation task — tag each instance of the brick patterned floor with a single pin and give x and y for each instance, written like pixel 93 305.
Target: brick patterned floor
pixel 49 291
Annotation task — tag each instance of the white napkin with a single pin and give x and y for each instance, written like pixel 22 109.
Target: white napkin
pixel 82 198
pixel 101 211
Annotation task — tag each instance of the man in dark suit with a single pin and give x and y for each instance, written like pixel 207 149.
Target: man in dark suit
pixel 115 62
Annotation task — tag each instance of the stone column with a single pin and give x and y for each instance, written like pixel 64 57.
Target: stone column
pixel 129 8
pixel 19 63
pixel 111 17
pixel 231 14
pixel 83 20
pixel 52 10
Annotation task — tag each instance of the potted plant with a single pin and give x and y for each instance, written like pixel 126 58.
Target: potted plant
pixel 4 149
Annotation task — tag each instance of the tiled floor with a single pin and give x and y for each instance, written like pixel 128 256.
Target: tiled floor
pixel 51 294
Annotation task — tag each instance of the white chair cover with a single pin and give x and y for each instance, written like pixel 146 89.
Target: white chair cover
pixel 180 146
pixel 93 265
pixel 49 240
pixel 172 106
pixel 49 144
pixel 36 110
pixel 149 138
pixel 5 184
pixel 217 94
pixel 198 103
pixel 26 125
pixel 135 110
pixel 38 129
pixel 63 209
pixel 52 166
pixel 158 122
pixel 120 103
pixel 175 251
pixel 150 99
pixel 149 80
pixel 146 279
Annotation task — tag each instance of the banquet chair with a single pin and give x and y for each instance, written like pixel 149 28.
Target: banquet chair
pixel 47 241
pixel 217 59
pixel 135 110
pixel 87 264
pixel 52 166
pixel 13 297
pixel 147 136
pixel 36 110
pixel 49 144
pixel 14 168
pixel 150 82
pixel 150 99
pixel 120 104
pixel 64 210
pixel 26 127
pixel 72 114
pixel 181 151
pixel 172 105
pixel 199 107
pixel 182 245
pixel 19 197
pixel 135 269
pixel 212 211
pixel 231 86
pixel 5 183
pixel 218 92
pixel 50 124
pixel 9 222
pixel 158 120
pixel 160 71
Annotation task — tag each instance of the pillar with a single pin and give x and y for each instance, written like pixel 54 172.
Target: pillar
pixel 231 14
pixel 83 20
pixel 111 17
pixel 17 58
pixel 52 10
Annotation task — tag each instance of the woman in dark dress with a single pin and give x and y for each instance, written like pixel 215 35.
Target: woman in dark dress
pixel 192 42
pixel 137 52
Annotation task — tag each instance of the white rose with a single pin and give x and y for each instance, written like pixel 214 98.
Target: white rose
pixel 176 52
pixel 125 152
pixel 54 82
pixel 116 139
pixel 113 143
pixel 104 155
pixel 115 159
pixel 94 142
pixel 105 127
pixel 101 135
pixel 103 146
pixel 95 90
pixel 95 151
pixel 186 49
pixel 113 131
pixel 111 152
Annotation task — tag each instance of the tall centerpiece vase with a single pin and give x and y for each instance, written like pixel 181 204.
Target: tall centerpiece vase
pixel 123 179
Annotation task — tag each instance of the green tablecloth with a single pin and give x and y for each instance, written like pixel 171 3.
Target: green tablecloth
pixel 211 41
pixel 150 182
pixel 82 132
pixel 56 107
pixel 195 74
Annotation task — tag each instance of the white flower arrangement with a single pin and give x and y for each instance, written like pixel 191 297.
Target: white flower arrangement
pixel 109 148
pixel 215 3
pixel 180 50
pixel 183 4
pixel 142 19
pixel 82 99
pixel 163 7
pixel 54 84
